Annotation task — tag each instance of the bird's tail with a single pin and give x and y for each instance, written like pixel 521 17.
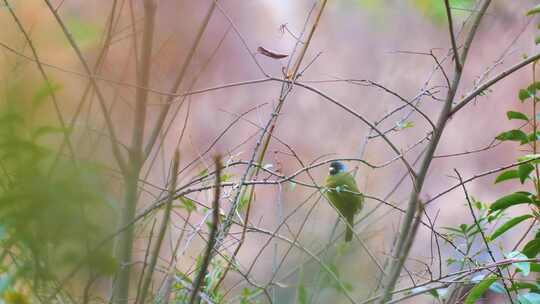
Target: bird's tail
pixel 349 232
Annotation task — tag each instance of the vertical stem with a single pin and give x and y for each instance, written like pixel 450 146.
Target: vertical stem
pixel 124 245
pixel 400 251
pixel 136 159
pixel 198 282
pixel 162 229
pixel 293 74
pixel 143 77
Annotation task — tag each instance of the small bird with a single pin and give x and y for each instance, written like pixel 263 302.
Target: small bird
pixel 343 194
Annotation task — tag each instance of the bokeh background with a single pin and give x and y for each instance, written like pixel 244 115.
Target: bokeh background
pixel 383 41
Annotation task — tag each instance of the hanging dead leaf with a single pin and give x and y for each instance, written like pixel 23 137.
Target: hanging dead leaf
pixel 270 54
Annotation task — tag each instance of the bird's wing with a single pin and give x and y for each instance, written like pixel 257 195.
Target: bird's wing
pixel 350 183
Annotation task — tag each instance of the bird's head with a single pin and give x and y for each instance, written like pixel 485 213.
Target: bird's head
pixel 336 167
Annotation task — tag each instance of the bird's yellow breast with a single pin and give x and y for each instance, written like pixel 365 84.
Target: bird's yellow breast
pixel 343 193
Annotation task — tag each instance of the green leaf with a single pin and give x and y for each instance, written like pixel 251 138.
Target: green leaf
pixel 533 87
pixel 434 293
pixel 203 173
pixel 292 185
pixel 532 248
pixel 524 267
pixel 533 137
pixel 478 204
pixel 42 131
pixel 188 204
pixel 524 170
pixel 225 177
pixel 507 175
pixel 494 216
pixel 244 200
pixel 535 267
pixel 401 125
pixel 528 157
pixel 85 33
pixel 534 10
pixel 432 9
pixel 453 229
pixel 516 115
pixel 510 200
pixel 537 40
pixel 478 290
pixel 45 91
pixel 529 92
pixel 302 294
pixel 508 225
pixel 11 119
pixel 529 298
pixel 513 135
pixel 524 285
pixel 524 95
pixel 474 231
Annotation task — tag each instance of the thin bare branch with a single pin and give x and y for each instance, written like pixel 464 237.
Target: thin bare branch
pixel 197 285
pixel 110 126
pixel 452 36
pixel 162 229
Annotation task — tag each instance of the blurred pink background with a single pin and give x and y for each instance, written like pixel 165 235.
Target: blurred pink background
pixel 355 41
